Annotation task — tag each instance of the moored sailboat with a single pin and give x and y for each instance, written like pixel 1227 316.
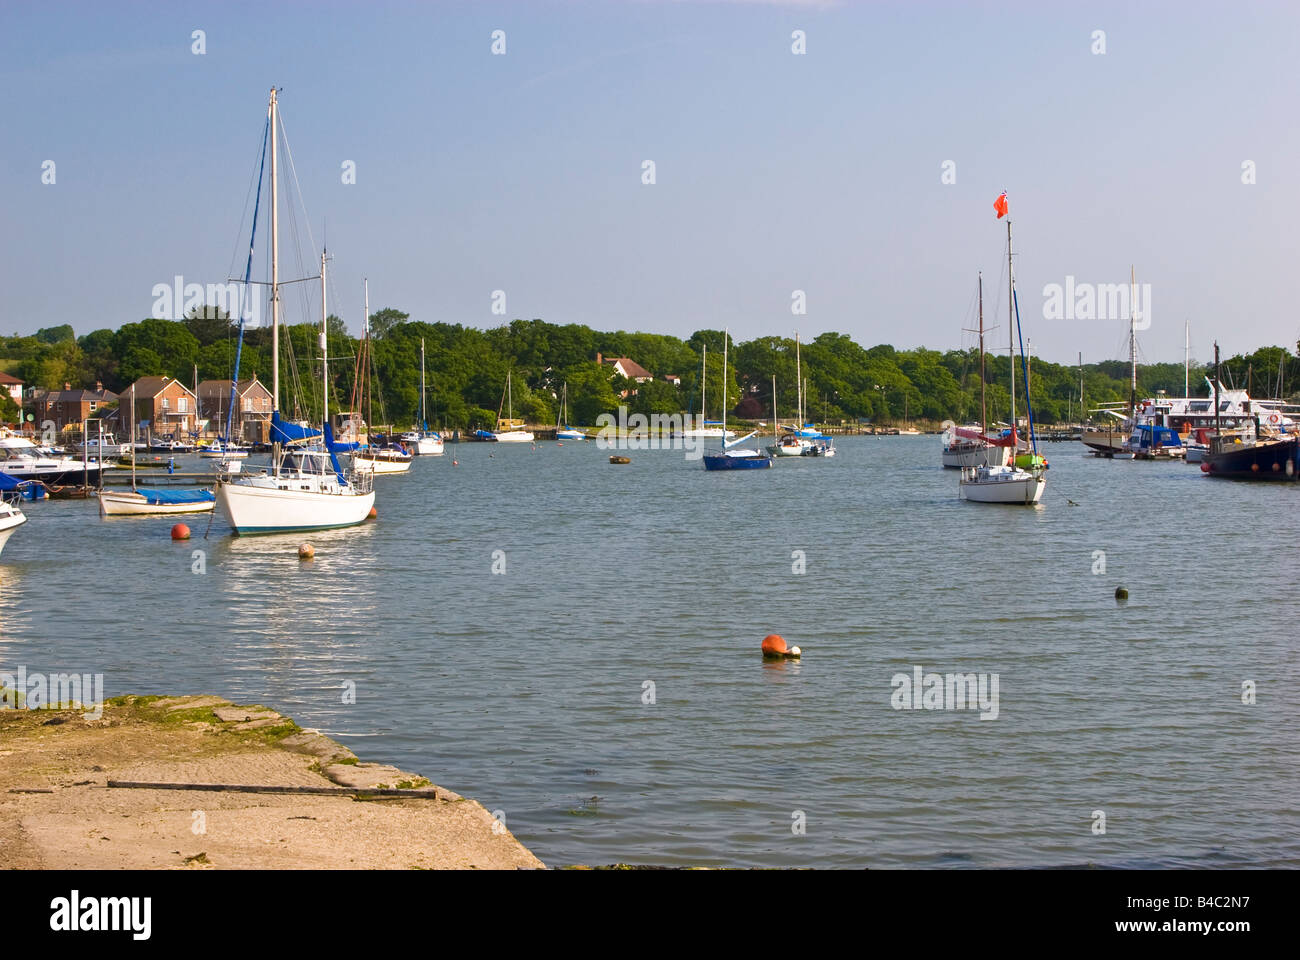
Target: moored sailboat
pixel 1003 483
pixel 288 499
pixel 731 456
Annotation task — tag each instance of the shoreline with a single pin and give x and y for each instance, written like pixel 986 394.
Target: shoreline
pixel 197 782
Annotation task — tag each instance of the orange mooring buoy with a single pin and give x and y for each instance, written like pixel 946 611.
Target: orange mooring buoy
pixel 455 463
pixel 372 514
pixel 774 648
pixel 306 551
pixel 180 532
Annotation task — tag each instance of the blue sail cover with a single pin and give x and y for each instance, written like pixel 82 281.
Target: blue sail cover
pixel 283 432
pixel 335 449
pixel 160 497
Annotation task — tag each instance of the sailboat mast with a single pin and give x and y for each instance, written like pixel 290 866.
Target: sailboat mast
pixel 798 376
pixel 324 347
pixel 1011 331
pixel 775 430
pixel 1187 359
pixel 726 335
pixel 984 417
pixel 275 261
pixel 368 396
pixel 704 386
pixel 1132 344
pixel 424 415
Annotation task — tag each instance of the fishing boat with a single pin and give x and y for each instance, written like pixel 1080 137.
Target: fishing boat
pixel 510 430
pixel 971 446
pixel 423 442
pixel 732 456
pixel 1004 483
pixel 314 496
pixel 567 432
pixel 11 518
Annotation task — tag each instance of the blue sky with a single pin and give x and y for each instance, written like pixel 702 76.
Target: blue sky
pixel 775 172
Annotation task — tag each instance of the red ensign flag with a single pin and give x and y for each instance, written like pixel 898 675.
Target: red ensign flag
pixel 1000 205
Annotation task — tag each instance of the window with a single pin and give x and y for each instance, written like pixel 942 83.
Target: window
pixel 248 405
pixel 181 404
pixel 165 403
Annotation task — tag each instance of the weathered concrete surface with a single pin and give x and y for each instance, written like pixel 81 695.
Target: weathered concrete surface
pixel 84 824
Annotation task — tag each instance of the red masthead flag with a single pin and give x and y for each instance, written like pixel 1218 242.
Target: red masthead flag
pixel 1000 205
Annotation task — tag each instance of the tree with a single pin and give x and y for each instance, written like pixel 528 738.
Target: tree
pixel 382 321
pixel 57 334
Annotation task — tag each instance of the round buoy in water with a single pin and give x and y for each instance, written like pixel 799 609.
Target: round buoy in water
pixel 1205 468
pixel 372 514
pixel 774 648
pixel 306 551
pixel 180 532
pixel 455 463
pixel 1121 593
pixel 1254 468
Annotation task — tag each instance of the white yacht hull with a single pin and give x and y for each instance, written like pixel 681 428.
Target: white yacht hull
pixel 380 465
pixel 268 507
pixel 1001 485
pixel 514 436
pixel 428 447
pixel 11 518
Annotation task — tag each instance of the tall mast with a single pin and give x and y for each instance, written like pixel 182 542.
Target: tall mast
pixel 370 406
pixel 704 386
pixel 275 262
pixel 1218 375
pixel 726 335
pixel 798 375
pixel 984 424
pixel 1187 359
pixel 424 416
pixel 324 346
pixel 1011 334
pixel 1132 343
pixel 1081 412
pixel 775 431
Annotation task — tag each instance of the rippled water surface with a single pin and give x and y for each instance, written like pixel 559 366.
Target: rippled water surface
pixel 525 690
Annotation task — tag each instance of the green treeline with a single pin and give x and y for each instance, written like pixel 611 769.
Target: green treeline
pixel 466 371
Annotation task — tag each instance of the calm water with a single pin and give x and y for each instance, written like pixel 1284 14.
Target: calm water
pixel 524 690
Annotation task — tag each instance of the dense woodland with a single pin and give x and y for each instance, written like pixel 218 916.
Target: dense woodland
pixel 466 371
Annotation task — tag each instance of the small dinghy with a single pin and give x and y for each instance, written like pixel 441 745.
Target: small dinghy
pixel 116 503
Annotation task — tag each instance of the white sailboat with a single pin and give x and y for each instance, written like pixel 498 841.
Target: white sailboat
pixel 705 430
pixel 732 456
pixel 1004 483
pixel 287 499
pixel 510 430
pixel 567 432
pixel 423 442
pixel 375 459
